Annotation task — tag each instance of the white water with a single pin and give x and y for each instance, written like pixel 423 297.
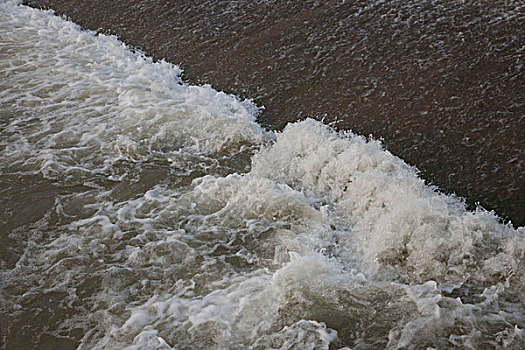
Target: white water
pixel 241 238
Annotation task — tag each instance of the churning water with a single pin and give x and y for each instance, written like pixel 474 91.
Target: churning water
pixel 176 221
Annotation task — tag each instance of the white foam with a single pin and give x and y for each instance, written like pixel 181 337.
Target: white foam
pixel 78 102
pixel 327 238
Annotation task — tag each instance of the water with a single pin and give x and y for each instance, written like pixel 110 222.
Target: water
pixel 443 83
pixel 140 212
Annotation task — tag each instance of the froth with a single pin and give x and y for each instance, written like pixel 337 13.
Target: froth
pixel 391 218
pixel 326 240
pixel 76 102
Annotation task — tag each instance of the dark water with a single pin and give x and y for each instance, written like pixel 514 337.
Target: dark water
pixel 441 82
pixel 138 211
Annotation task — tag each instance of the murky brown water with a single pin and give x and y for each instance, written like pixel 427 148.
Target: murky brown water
pixel 140 212
pixel 442 83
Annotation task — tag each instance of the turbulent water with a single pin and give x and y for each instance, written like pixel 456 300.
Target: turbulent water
pixel 171 220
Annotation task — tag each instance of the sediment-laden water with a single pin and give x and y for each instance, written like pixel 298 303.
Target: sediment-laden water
pixel 144 213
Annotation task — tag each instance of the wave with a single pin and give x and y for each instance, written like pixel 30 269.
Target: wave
pixel 228 235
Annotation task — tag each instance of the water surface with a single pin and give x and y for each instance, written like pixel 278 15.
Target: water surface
pixel 140 212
